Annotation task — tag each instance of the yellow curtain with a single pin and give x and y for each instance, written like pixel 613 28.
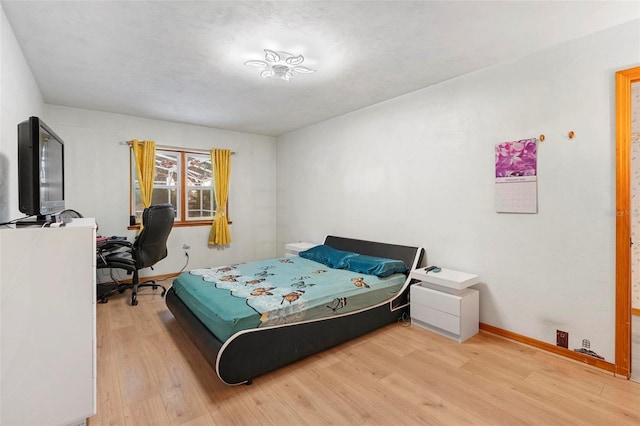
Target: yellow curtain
pixel 221 162
pixel 144 153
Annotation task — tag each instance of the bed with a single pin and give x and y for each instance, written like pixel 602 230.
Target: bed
pixel 244 335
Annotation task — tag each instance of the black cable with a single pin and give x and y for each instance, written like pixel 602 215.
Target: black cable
pixel 405 320
pixel 185 265
pixel 13 221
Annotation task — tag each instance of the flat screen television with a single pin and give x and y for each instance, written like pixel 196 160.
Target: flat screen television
pixel 40 172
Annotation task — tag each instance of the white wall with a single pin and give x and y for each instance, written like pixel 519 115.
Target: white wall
pixel 97 181
pixel 20 98
pixel 419 169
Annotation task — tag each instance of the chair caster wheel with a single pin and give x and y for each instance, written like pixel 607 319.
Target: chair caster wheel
pixel 134 301
pixel 163 292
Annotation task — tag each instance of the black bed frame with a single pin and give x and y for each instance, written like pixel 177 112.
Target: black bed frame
pixel 250 353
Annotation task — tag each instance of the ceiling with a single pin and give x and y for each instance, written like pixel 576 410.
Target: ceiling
pixel 183 61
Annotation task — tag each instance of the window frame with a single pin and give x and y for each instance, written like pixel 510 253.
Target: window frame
pixel 181 197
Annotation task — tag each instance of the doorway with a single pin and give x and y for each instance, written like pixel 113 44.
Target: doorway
pixel 635 231
pixel 624 81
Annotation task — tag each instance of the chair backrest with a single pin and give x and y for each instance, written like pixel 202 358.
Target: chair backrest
pixel 150 246
pixel 69 214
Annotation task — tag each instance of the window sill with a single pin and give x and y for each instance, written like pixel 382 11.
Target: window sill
pixel 184 224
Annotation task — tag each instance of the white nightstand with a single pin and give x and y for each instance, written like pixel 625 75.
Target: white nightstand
pixel 443 303
pixel 292 249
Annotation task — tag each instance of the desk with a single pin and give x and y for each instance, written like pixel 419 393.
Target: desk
pixel 48 339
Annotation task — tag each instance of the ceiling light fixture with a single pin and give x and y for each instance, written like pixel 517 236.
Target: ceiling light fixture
pixel 280 65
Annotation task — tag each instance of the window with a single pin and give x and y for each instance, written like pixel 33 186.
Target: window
pixel 184 179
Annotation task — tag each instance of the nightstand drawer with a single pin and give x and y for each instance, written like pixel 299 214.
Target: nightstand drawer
pixel 436 318
pixel 438 300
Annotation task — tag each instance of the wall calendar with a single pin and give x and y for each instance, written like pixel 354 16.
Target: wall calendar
pixel 517 177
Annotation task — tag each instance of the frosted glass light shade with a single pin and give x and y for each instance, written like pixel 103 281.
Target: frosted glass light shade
pixel 281 65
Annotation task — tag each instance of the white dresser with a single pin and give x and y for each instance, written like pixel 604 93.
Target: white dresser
pixel 443 303
pixel 48 339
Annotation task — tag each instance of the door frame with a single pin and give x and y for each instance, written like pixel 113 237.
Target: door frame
pixel 624 79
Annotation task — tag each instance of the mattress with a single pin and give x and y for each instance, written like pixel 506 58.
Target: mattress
pixel 228 299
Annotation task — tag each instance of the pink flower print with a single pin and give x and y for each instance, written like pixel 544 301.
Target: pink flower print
pixel 516 158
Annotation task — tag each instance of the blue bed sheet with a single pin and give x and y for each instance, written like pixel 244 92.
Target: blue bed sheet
pixel 228 299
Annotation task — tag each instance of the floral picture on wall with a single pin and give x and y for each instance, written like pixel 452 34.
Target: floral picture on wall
pixel 516 166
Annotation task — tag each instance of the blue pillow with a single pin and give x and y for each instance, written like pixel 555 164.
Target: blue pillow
pixel 327 256
pixel 377 266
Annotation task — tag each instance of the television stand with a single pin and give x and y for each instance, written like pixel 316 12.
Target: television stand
pixel 37 221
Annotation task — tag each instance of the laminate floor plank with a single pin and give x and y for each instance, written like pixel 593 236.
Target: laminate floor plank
pixel 603 409
pixel 355 396
pixel 149 412
pixel 137 379
pixel 303 399
pixel 438 410
pixel 175 385
pixel 470 391
pixel 108 394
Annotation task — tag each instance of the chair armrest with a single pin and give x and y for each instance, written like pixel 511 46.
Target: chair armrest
pixel 111 246
pixel 113 243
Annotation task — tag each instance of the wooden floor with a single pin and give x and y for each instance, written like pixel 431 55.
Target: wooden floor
pixel 149 373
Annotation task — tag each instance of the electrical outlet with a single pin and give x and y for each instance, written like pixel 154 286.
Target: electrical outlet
pixel 562 339
pixel 185 246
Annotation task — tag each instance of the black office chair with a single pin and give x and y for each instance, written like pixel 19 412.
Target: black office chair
pixel 149 247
